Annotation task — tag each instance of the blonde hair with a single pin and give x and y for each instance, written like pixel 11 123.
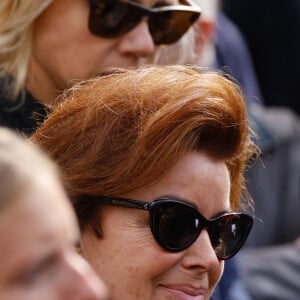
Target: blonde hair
pixel 16 19
pixel 21 164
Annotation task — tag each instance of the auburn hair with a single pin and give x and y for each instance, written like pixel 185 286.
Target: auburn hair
pixel 124 129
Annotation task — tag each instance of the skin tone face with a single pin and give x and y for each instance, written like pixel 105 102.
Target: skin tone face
pixel 65 50
pixel 130 261
pixel 38 261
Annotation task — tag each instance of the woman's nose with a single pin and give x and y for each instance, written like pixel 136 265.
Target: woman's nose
pixel 138 42
pixel 201 254
pixel 81 282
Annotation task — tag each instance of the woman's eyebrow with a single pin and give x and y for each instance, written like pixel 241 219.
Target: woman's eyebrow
pixel 221 213
pixel 178 198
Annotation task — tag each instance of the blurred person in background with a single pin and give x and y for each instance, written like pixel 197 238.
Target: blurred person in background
pixel 272 30
pixel 38 230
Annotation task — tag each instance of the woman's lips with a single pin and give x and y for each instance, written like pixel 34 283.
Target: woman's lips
pixel 184 292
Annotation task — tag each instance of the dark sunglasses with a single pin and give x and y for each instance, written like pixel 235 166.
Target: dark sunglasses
pixel 167 24
pixel 176 225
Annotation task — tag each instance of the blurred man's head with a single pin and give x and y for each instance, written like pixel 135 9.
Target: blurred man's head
pixel 198 45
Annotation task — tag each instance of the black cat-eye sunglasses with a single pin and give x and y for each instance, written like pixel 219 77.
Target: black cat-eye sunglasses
pixel 175 225
pixel 167 24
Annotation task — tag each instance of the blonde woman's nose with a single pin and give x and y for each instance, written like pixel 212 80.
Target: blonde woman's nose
pixel 138 42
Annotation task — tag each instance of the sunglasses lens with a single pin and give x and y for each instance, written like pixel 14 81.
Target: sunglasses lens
pixel 110 19
pixel 175 226
pixel 229 233
pixel 167 27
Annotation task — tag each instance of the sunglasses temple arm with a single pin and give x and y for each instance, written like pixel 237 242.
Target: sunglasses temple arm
pixel 124 202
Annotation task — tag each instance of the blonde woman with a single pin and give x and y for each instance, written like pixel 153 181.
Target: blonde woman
pixel 44 45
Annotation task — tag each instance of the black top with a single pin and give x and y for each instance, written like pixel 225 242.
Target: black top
pixel 23 114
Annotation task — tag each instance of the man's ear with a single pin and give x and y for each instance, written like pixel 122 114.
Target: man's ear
pixel 204 36
pixel 208 28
